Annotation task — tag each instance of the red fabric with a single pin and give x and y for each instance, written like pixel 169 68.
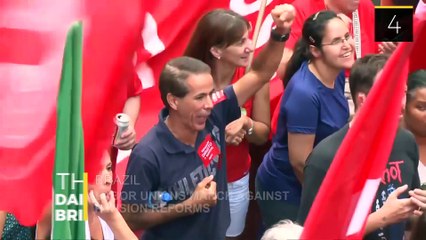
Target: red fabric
pixel 305 8
pixel 238 157
pixel 363 155
pixel 109 43
pixel 420 49
pixel 31 53
pixel 109 47
pixel 134 85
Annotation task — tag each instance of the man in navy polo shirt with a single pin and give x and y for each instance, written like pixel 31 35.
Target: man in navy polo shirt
pixel 184 154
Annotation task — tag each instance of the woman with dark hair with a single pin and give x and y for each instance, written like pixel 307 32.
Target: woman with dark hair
pixel 312 107
pixel 415 115
pixel 221 40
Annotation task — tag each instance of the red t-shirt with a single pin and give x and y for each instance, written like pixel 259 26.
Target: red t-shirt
pixel 305 8
pixel 134 85
pixel 238 157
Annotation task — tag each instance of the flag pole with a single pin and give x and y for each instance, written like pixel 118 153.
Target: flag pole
pixel 256 31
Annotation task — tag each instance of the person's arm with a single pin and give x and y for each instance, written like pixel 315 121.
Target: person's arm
pixel 393 210
pixel 3 215
pixel 302 116
pixel 44 225
pixel 261 117
pixel 128 138
pixel 260 122
pixel 296 33
pixel 108 212
pixel 299 148
pixel 132 107
pixel 266 63
pixel 203 196
pixel 288 52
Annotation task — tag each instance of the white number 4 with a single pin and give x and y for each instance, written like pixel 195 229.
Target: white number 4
pixel 396 27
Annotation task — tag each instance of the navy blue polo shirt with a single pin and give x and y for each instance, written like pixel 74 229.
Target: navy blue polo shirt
pixel 160 162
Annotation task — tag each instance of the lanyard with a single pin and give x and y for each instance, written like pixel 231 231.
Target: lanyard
pixel 357 33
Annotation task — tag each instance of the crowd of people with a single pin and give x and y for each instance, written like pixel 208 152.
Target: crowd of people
pixel 216 106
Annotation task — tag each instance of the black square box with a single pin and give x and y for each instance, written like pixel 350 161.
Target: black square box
pixel 393 24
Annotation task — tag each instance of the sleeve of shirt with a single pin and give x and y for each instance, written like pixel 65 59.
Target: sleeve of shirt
pixel 134 85
pixel 231 109
pixel 302 112
pixel 142 177
pixel 313 177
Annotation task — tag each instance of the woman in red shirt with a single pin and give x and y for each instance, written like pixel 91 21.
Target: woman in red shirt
pixel 221 40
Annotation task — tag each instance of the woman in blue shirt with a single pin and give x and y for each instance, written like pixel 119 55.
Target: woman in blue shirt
pixel 312 107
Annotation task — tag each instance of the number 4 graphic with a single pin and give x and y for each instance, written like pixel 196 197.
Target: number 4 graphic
pixel 396 27
pixel 393 23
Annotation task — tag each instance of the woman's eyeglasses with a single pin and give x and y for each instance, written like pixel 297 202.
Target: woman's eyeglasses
pixel 339 41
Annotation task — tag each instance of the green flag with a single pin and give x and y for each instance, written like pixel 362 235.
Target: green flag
pixel 68 177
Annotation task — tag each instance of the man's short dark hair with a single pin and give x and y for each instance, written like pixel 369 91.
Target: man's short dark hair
pixel 363 73
pixel 175 73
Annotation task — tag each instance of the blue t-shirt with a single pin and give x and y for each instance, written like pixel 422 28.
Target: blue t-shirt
pixel 160 162
pixel 307 107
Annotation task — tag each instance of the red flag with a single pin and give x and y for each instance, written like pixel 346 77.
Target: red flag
pixel 112 32
pixel 31 46
pixel 32 42
pixel 345 197
pixel 417 61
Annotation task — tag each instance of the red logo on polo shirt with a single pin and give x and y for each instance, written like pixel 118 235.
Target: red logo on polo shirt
pixel 208 150
pixel 218 97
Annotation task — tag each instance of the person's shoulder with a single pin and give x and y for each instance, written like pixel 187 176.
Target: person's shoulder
pixel 323 153
pixel 226 107
pixel 220 97
pixel 151 137
pixel 404 136
pixel 302 82
pixel 405 141
pixel 143 157
pixel 149 144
